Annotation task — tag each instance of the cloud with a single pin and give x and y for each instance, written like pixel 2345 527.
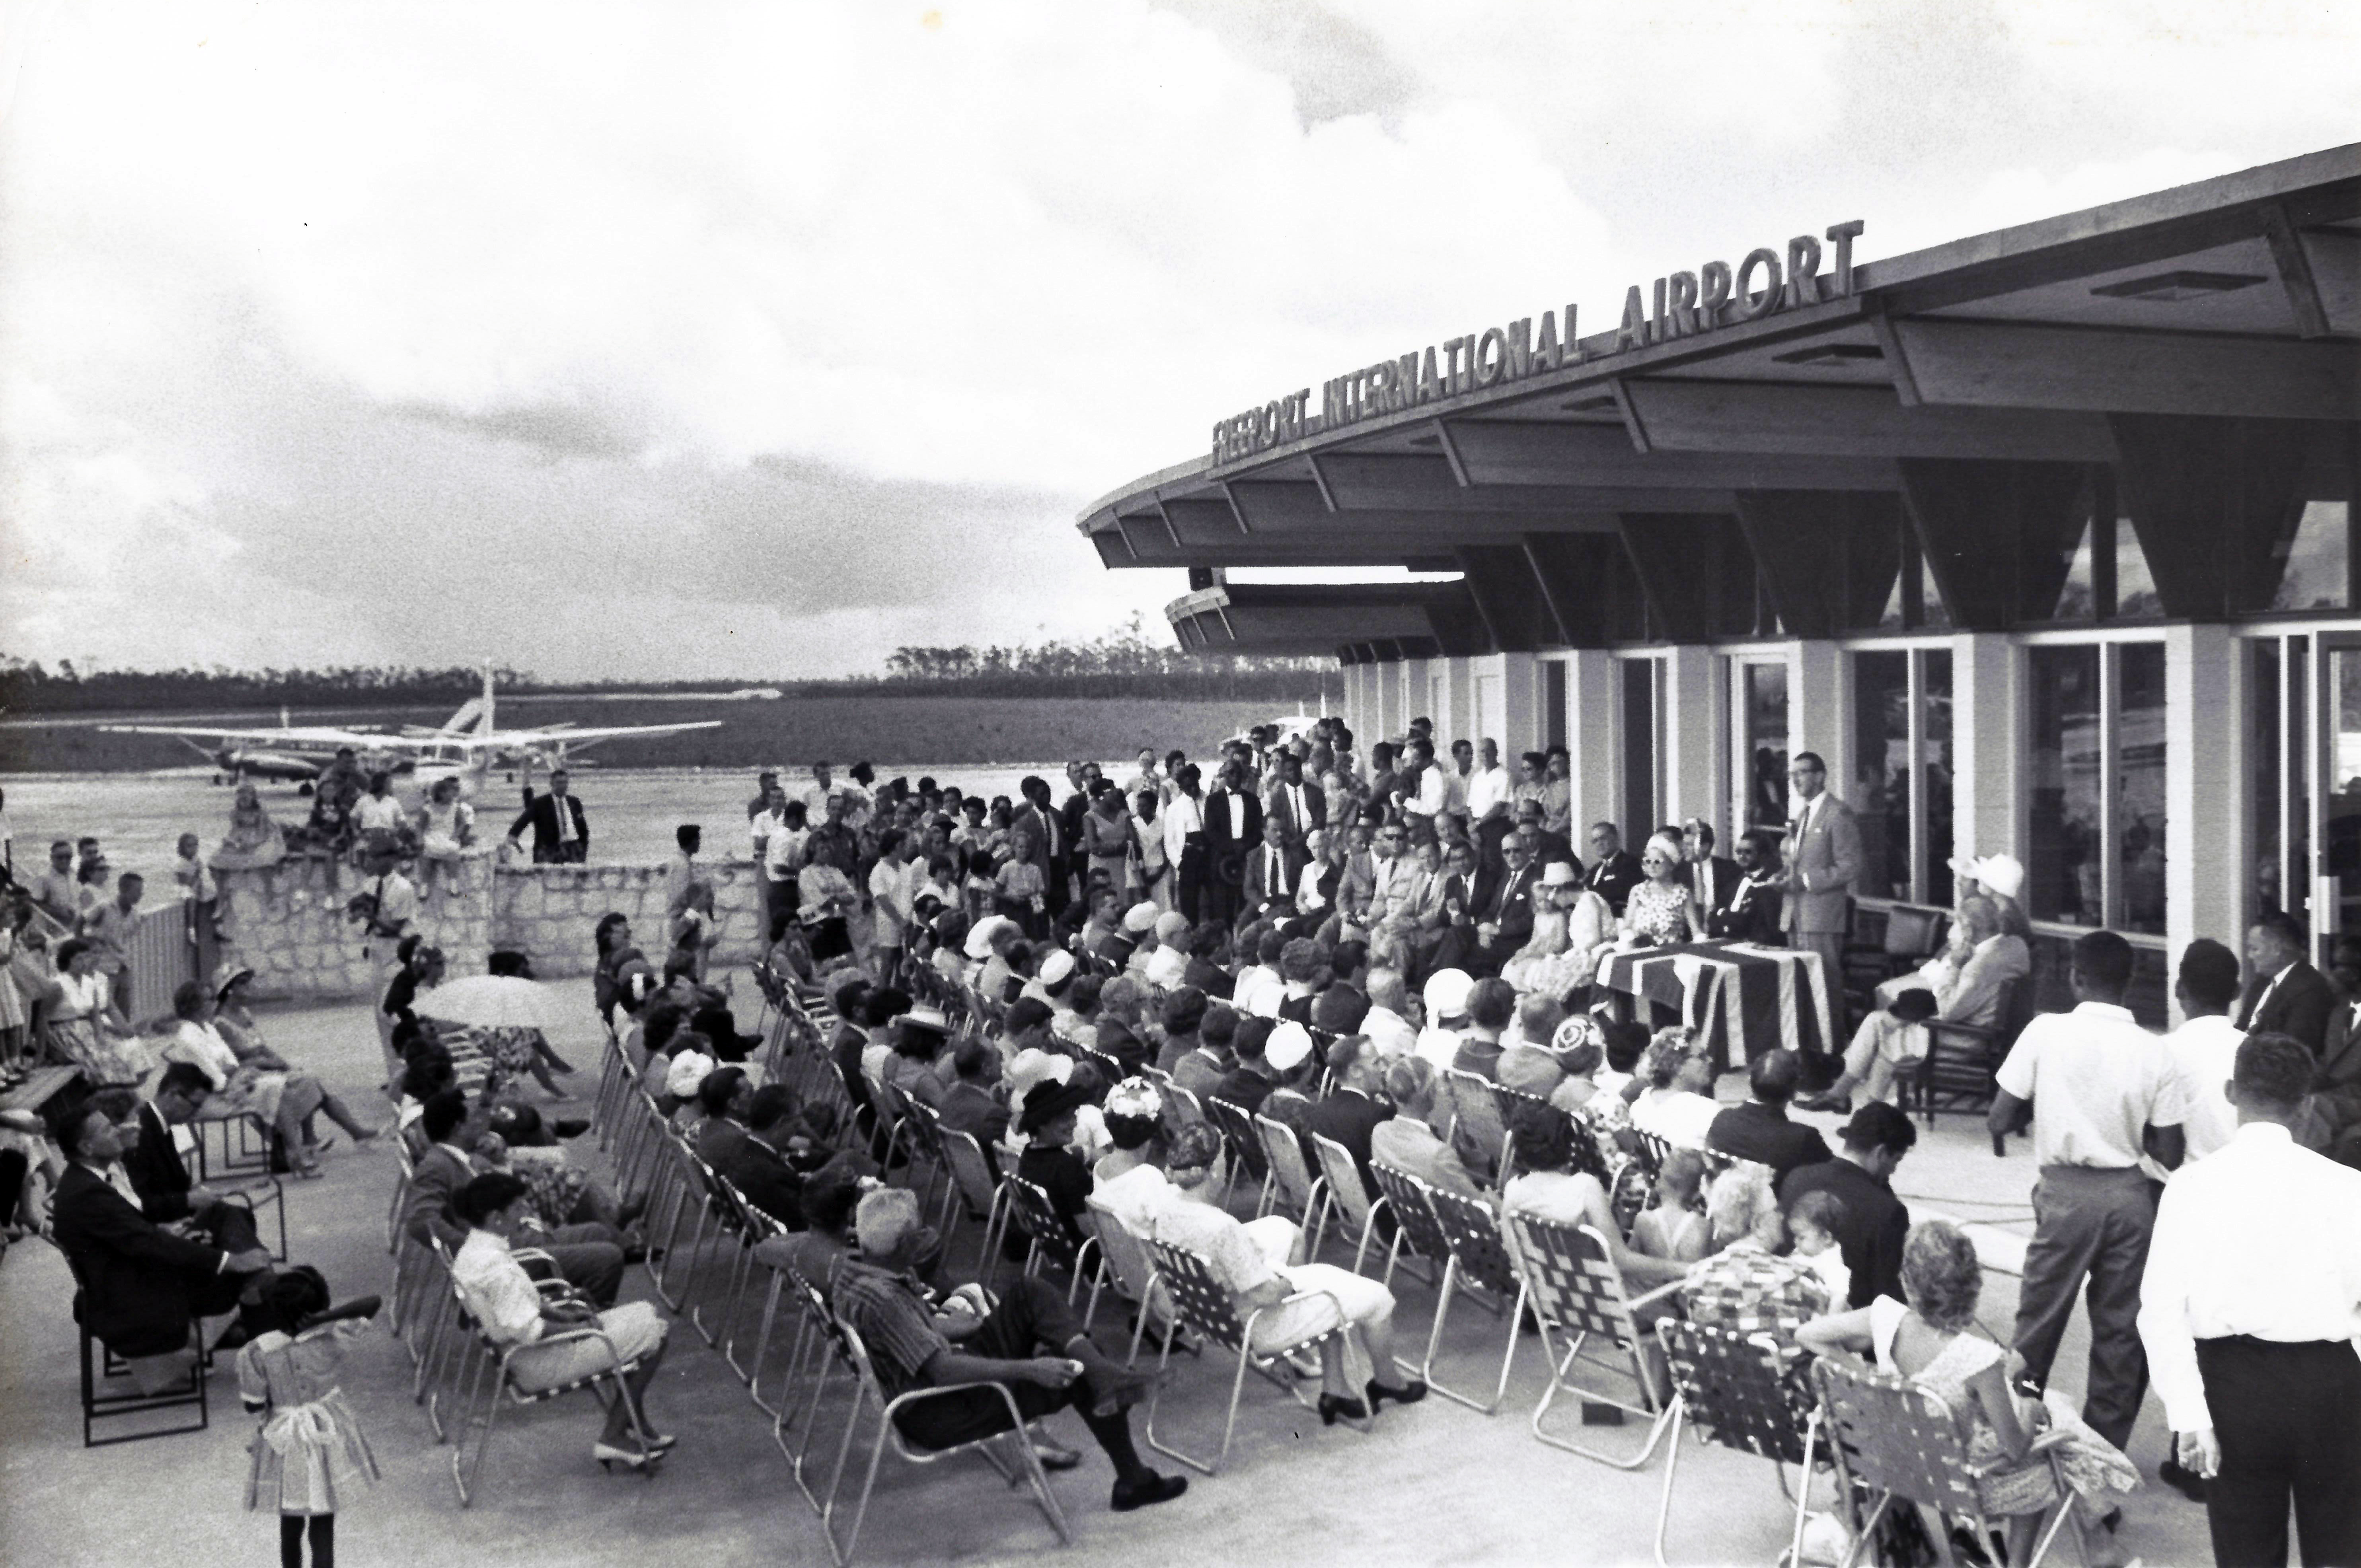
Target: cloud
pixel 622 337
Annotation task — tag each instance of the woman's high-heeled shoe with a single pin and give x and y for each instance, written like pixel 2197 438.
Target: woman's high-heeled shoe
pixel 1335 1406
pixel 1410 1393
pixel 609 1454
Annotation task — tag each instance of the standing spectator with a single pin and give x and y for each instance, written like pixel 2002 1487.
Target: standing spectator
pixel 1823 857
pixel 767 794
pixel 1185 842
pixel 561 832
pixel 1870 1232
pixel 785 849
pixel 893 883
pixel 2103 1093
pixel 192 878
pixel 2204 1049
pixel 446 827
pixel 109 929
pixel 2285 995
pixel 56 892
pixel 833 842
pixel 2247 1307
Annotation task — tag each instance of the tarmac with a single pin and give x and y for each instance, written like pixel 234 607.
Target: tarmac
pixel 1437 1482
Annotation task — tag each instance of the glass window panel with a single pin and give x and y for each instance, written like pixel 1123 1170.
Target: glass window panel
pixel 1932 612
pixel 1936 728
pixel 2264 702
pixel 2317 576
pixel 2297 872
pixel 2136 592
pixel 1640 814
pixel 2139 799
pixel 2344 803
pixel 1881 797
pixel 2064 869
pixel 1766 745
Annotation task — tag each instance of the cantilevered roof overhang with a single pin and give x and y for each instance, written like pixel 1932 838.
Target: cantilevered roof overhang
pixel 1414 618
pixel 1958 390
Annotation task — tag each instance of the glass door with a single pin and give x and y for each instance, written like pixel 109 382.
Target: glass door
pixel 2336 895
pixel 1757 764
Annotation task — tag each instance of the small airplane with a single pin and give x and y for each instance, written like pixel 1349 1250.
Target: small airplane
pixel 468 745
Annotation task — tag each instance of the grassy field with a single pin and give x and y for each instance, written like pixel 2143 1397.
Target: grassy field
pixel 842 729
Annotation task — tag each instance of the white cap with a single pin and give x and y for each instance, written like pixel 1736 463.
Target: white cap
pixel 687 1071
pixel 1057 966
pixel 1288 1046
pixel 1446 994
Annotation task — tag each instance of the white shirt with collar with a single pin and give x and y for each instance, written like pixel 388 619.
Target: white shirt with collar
pixel 1487 787
pixel 2263 997
pixel 1433 796
pixel 497 1288
pixel 2263 1239
pixel 2205 1053
pixel 1181 816
pixel 2095 1078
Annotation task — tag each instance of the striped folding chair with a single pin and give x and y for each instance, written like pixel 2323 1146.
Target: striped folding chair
pixel 1236 1124
pixel 1292 1188
pixel 979 1191
pixel 1901 1444
pixel 1479 1262
pixel 1207 1309
pixel 1010 1451
pixel 1578 1292
pixel 1586 1158
pixel 1346 1195
pixel 1743 1393
pixel 1416 1229
pixel 493 1377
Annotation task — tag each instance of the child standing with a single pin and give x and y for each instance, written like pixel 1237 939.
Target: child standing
pixel 311 1444
pixel 1673 1225
pixel 1812 1222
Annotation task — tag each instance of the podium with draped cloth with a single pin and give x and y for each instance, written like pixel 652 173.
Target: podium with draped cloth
pixel 1742 999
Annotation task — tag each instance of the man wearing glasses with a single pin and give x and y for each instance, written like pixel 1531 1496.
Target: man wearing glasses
pixel 1823 858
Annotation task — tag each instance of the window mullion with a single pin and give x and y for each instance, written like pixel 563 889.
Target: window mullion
pixel 2110 906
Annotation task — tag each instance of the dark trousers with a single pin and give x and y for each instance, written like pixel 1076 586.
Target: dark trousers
pixel 1189 881
pixel 585 1256
pixel 1031 1320
pixel 231 1226
pixel 2090 1225
pixel 573 852
pixel 2289 1420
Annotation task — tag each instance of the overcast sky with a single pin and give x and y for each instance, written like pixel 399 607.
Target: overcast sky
pixel 695 339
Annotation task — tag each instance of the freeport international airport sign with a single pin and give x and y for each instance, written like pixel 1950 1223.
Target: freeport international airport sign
pixel 1680 304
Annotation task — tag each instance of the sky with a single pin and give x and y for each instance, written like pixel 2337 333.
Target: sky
pixel 694 340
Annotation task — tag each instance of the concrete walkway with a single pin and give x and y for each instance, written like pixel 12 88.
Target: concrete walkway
pixel 1437 1482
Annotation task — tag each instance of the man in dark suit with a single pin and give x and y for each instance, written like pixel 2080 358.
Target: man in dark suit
pixel 166 1192
pixel 1713 879
pixel 1614 869
pixel 1504 920
pixel 2331 1120
pixel 561 833
pixel 1298 806
pixel 1351 1114
pixel 142 1286
pixel 757 1165
pixel 1752 913
pixel 1545 847
pixel 2284 994
pixel 1053 845
pixel 1232 827
pixel 1759 1129
pixel 1273 869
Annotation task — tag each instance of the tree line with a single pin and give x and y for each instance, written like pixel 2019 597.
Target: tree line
pixel 1122 664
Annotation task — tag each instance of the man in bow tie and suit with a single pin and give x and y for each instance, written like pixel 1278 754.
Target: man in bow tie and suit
pixel 1824 859
pixel 1752 913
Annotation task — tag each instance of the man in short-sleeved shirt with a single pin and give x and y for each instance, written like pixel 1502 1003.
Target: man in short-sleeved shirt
pixel 2102 1088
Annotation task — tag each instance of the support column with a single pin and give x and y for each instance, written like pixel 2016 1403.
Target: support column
pixel 1987 750
pixel 2208 815
pixel 1819 711
pixel 1517 725
pixel 1692 729
pixel 1458 723
pixel 1590 738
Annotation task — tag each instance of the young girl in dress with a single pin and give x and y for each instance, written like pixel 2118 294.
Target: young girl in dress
pixel 1672 1225
pixel 311 1450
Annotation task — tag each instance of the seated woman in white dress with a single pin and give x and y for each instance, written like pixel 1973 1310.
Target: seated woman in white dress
pixel 1570 924
pixel 254 839
pixel 1661 911
pixel 268 1090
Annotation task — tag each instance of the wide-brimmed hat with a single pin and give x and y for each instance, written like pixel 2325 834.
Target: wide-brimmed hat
pixel 1035 1067
pixel 1048 1103
pixel 2002 874
pixel 228 973
pixel 924 1018
pixel 981 935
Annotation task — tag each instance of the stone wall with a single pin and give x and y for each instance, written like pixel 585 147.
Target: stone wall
pixel 287 922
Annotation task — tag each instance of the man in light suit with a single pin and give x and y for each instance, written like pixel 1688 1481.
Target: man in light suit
pixel 1884 1041
pixel 1824 859
pixel 1273 869
pixel 1233 828
pixel 2284 994
pixel 1298 806
pixel 1713 879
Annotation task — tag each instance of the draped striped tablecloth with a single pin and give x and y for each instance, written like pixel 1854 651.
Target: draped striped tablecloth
pixel 1742 999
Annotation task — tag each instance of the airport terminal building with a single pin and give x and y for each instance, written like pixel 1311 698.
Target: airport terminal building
pixel 2044 539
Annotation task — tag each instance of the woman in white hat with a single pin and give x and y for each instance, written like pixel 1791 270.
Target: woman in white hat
pixel 1661 912
pixel 1569 922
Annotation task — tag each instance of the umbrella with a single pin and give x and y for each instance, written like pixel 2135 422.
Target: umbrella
pixel 491 1001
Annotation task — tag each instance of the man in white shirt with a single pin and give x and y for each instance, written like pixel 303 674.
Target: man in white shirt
pixel 1385 1025
pixel 2204 1049
pixel 582 1342
pixel 893 886
pixel 2250 1310
pixel 1431 796
pixel 2104 1094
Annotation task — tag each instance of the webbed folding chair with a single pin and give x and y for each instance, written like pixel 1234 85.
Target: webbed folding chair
pixel 1345 1195
pixel 1740 1392
pixel 1416 1229
pixel 1010 1451
pixel 1048 1240
pixel 1475 1115
pixel 1206 1308
pixel 1236 1124
pixel 1587 1160
pixel 980 1191
pixel 1576 1291
pixel 1292 1188
pixel 1903 1443
pixel 484 1397
pixel 1480 1261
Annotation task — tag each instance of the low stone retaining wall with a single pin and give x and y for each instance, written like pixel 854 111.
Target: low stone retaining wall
pixel 287 922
